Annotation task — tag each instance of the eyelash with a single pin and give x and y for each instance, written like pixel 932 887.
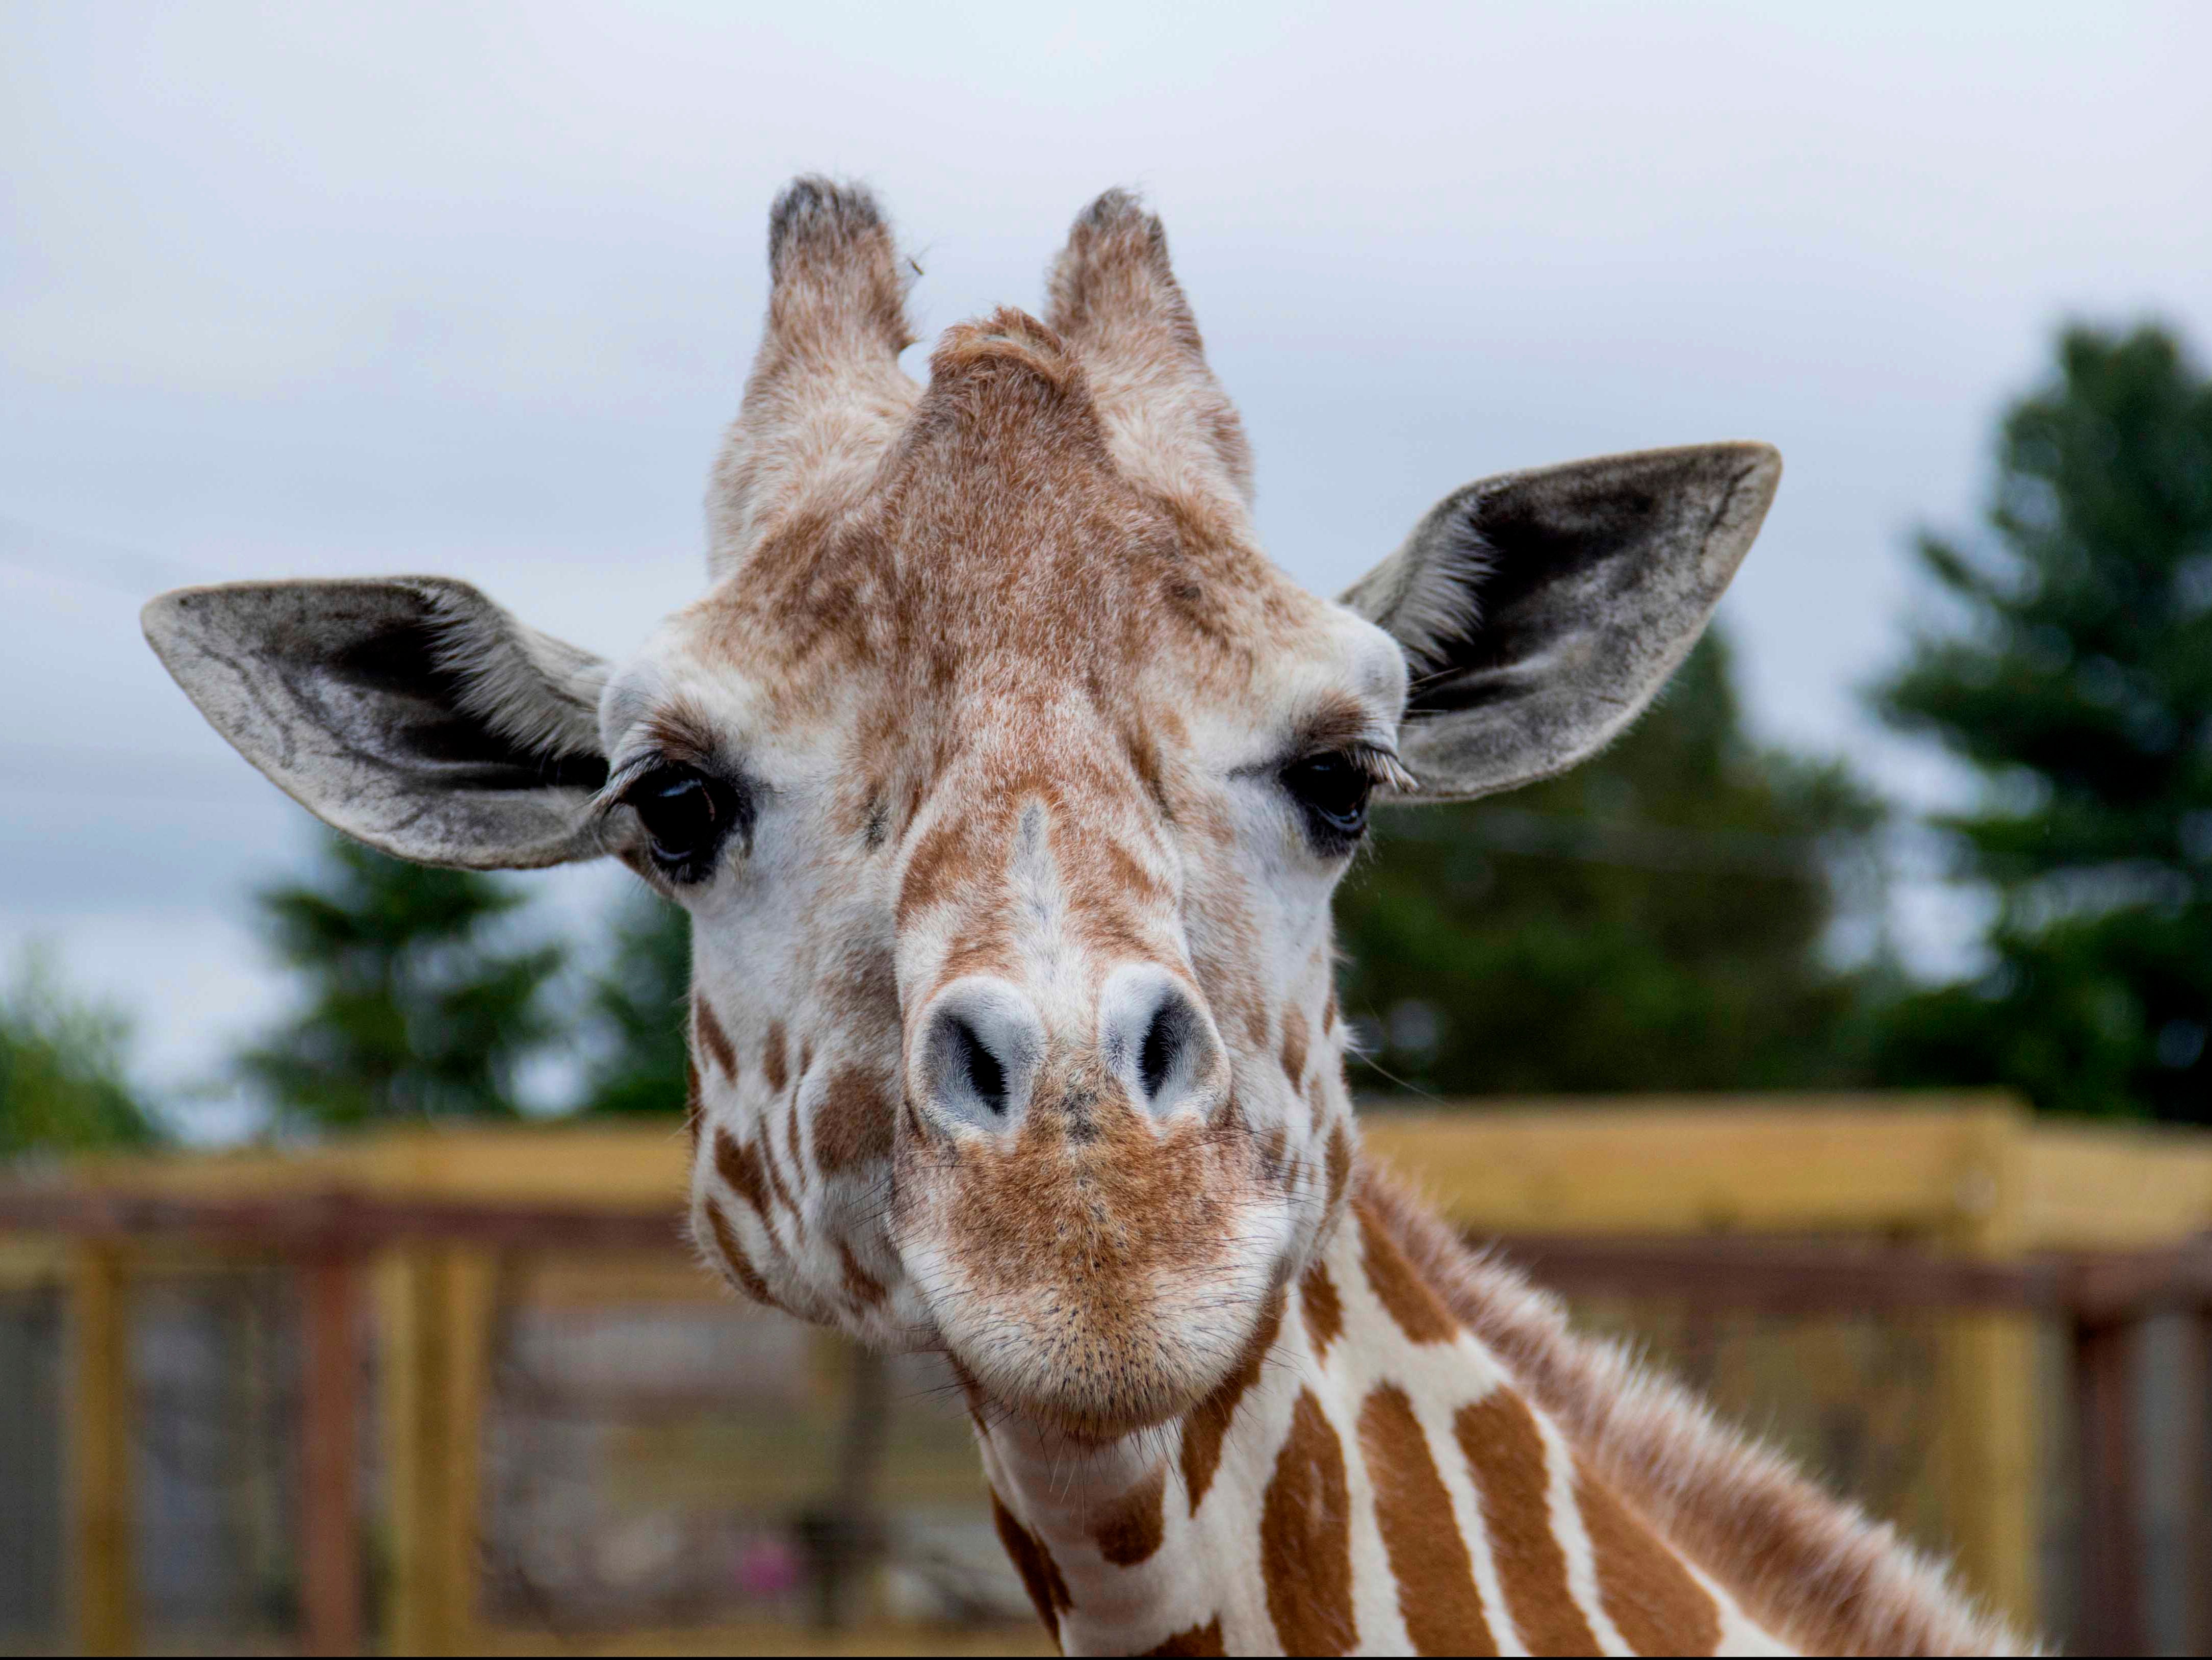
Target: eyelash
pixel 687 813
pixel 1332 790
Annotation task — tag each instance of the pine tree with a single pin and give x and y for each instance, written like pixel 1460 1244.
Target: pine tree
pixel 2077 681
pixel 416 1010
pixel 636 1011
pixel 62 1082
pixel 1654 919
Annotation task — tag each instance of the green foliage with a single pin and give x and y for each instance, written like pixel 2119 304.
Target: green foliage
pixel 62 1087
pixel 415 1011
pixel 2078 681
pixel 637 1010
pixel 1652 919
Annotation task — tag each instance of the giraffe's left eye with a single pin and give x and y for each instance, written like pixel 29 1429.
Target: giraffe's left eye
pixel 686 814
pixel 1331 791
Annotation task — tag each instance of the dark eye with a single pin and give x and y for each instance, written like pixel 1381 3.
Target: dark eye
pixel 1333 791
pixel 685 814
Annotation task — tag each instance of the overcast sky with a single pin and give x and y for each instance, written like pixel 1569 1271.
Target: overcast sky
pixel 470 289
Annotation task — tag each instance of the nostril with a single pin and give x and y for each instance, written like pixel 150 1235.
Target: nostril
pixel 1164 1037
pixel 980 1047
pixel 985 1075
pixel 1155 1038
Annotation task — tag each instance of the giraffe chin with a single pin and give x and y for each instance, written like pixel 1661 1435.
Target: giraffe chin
pixel 1090 1381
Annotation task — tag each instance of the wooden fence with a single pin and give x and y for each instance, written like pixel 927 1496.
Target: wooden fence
pixel 1962 1206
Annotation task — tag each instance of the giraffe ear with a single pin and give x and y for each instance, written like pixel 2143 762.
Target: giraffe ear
pixel 412 714
pixel 1540 611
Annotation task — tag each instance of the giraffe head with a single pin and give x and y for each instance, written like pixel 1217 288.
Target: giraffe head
pixel 1005 782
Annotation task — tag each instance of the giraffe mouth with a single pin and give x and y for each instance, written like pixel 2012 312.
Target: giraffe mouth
pixel 1098 1284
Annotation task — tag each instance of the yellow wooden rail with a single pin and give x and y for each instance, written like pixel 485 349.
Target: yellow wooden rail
pixel 1968 1173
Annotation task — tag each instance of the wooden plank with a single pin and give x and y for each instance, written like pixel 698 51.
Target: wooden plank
pixel 434 1304
pixel 469 1297
pixel 620 1166
pixel 1987 1425
pixel 2194 1456
pixel 103 1591
pixel 1762 1164
pixel 330 1542
pixel 2110 1618
pixel 1781 1277
pixel 2115 1187
pixel 27 1263
pixel 409 1282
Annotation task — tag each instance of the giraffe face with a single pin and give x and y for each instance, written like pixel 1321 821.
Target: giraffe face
pixel 1012 1019
pixel 1006 783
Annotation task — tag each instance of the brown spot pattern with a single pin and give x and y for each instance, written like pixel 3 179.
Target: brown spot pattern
pixel 1324 1310
pixel 740 1166
pixel 1130 1529
pixel 1505 1453
pixel 693 1109
pixel 712 1035
pixel 1204 1639
pixel 1339 1160
pixel 853 1125
pixel 1646 1590
pixel 1208 1422
pixel 1437 1593
pixel 1305 1538
pixel 772 1057
pixel 859 1285
pixel 1040 1574
pixel 1418 1310
pixel 733 1254
pixel 1294 1047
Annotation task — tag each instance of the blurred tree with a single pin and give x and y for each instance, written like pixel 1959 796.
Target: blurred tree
pixel 62 1086
pixel 636 1011
pixel 2077 680
pixel 1654 919
pixel 414 1010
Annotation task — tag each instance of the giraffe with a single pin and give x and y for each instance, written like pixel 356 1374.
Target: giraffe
pixel 1006 783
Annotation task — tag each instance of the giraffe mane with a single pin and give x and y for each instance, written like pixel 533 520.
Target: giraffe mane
pixel 1815 1570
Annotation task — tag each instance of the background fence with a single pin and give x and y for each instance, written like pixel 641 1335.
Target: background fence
pixel 463 1390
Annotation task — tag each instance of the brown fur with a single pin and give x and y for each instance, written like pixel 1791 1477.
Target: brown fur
pixel 1420 1314
pixel 1323 1310
pixel 735 1260
pixel 1128 1530
pixel 1305 1538
pixel 1039 1573
pixel 1429 1559
pixel 716 1040
pixel 1646 1590
pixel 1812 1570
pixel 853 1126
pixel 1198 1640
pixel 1505 1455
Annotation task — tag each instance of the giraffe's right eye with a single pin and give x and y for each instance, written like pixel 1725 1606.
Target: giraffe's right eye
pixel 686 813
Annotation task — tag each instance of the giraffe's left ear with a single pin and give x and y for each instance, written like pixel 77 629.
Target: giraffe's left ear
pixel 1540 612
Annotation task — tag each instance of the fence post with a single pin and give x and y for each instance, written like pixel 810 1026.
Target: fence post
pixel 103 1577
pixel 435 1306
pixel 2111 1617
pixel 329 1544
pixel 2196 1454
pixel 1988 1381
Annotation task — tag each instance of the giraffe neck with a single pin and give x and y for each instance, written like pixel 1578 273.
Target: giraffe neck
pixel 1371 1480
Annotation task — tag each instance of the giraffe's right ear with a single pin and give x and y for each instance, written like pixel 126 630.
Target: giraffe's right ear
pixel 412 714
pixel 1540 612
